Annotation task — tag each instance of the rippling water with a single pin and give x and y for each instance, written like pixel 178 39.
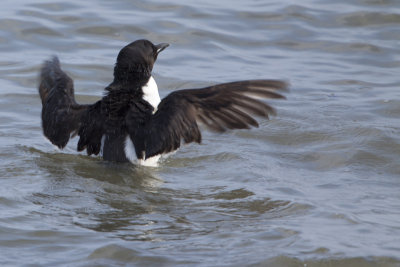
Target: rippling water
pixel 317 185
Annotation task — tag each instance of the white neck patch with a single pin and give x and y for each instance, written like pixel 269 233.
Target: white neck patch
pixel 150 93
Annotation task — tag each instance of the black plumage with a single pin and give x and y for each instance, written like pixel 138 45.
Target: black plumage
pixel 123 112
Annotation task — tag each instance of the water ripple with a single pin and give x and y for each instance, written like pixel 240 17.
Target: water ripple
pixel 316 185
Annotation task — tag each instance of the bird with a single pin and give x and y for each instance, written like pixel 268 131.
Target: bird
pixel 130 123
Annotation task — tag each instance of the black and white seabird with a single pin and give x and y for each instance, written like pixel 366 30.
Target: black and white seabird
pixel 132 123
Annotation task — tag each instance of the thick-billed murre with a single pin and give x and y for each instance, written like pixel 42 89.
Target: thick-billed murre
pixel 132 123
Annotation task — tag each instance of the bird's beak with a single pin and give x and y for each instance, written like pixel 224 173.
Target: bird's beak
pixel 161 47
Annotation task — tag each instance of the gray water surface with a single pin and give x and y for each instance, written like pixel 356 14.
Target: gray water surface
pixel 317 185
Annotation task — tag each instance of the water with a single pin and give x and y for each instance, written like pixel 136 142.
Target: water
pixel 317 185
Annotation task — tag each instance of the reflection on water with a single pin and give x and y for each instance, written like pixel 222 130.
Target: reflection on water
pixel 317 185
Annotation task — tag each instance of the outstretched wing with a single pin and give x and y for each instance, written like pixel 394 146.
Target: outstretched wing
pixel 219 108
pixel 62 116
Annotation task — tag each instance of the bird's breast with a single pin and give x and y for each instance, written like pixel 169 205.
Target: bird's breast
pixel 150 93
pixel 130 154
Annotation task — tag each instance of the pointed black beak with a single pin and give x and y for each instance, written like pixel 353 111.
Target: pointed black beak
pixel 161 47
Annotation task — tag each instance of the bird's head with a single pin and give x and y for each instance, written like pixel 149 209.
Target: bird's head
pixel 136 60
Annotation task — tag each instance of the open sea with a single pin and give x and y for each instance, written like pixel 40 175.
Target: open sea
pixel 316 185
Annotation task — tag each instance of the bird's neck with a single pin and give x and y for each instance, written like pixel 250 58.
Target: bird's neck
pixel 150 93
pixel 131 79
pixel 137 74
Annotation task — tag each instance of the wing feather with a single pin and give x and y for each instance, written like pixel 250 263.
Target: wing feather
pixel 219 108
pixel 62 117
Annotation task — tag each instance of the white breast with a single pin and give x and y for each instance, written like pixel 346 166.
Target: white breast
pixel 131 155
pixel 150 93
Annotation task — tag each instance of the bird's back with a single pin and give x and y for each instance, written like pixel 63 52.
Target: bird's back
pixel 117 106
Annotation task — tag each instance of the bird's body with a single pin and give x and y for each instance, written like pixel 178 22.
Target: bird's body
pixel 132 123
